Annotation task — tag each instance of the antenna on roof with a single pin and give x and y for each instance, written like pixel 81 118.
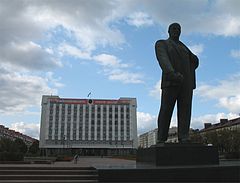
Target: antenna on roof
pixel 90 93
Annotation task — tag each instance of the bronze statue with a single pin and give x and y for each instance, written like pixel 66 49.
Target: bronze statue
pixel 178 66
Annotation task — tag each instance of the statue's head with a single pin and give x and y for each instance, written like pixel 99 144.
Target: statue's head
pixel 174 31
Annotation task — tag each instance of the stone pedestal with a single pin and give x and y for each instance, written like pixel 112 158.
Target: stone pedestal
pixel 177 154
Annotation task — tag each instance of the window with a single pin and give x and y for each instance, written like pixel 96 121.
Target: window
pixel 122 109
pixel 57 107
pixel 51 105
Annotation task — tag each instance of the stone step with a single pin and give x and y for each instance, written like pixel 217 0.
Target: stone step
pixel 44 168
pixel 48 181
pixel 47 172
pixel 48 177
pixel 34 174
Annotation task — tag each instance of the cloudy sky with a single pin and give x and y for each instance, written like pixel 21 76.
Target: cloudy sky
pixel 72 47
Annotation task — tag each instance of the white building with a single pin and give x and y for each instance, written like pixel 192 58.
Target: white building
pixel 13 135
pixel 150 138
pixel 94 125
pixel 147 139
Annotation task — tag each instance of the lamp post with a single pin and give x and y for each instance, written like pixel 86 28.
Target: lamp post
pixel 117 152
pixel 122 142
pixel 63 142
pixel 132 146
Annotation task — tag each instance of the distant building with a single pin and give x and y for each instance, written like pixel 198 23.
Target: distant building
pixel 150 138
pixel 12 134
pixel 94 126
pixel 233 124
pixel 147 139
pixel 172 135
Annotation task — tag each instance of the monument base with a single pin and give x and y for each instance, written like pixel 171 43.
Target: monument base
pixel 177 154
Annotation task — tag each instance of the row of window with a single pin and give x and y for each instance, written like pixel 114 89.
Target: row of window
pixel 86 119
pixel 90 136
pixel 87 116
pixel 68 143
pixel 87 129
pixel 98 123
pixel 69 107
pixel 87 113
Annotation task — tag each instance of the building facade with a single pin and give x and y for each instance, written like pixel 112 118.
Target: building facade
pixel 13 135
pixel 150 138
pixel 93 125
pixel 224 124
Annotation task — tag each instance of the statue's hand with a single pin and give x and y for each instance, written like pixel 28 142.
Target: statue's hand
pixel 175 76
pixel 179 77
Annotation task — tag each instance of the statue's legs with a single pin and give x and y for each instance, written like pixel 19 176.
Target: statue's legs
pixel 184 107
pixel 168 100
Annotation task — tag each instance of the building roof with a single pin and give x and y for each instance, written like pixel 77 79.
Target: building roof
pixel 223 124
pixel 121 100
pixel 15 134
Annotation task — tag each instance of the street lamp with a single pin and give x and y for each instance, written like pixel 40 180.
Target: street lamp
pixel 63 141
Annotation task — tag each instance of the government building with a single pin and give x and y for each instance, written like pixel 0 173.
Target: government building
pixel 88 126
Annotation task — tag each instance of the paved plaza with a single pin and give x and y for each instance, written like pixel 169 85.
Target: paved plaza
pixel 89 161
pixel 109 162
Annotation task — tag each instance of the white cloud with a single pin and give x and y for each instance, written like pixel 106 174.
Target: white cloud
pixel 87 21
pixel 226 92
pixel 74 51
pixel 28 55
pixel 25 23
pixel 232 103
pixel 30 129
pixel 197 49
pixel 19 37
pixel 125 76
pixel 20 91
pixel 207 17
pixel 146 122
pixel 235 54
pixel 92 23
pixel 112 66
pixel 156 90
pixel 139 19
pixel 107 60
pixel 54 81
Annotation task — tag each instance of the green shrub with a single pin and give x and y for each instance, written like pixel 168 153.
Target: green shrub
pixel 11 156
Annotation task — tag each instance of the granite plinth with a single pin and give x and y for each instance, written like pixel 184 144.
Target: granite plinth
pixel 177 154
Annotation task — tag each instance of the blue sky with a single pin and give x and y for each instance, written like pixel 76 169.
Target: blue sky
pixel 70 48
